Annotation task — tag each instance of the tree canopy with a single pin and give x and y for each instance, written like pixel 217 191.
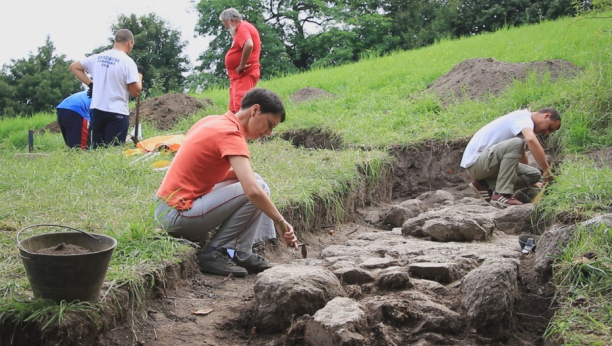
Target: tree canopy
pixel 158 48
pixel 300 34
pixel 36 83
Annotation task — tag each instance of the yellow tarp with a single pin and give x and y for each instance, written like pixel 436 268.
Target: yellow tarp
pixel 171 143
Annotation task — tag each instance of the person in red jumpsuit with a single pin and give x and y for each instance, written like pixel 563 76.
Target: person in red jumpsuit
pixel 242 59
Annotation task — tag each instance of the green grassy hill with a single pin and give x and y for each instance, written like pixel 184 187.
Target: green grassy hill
pixel 378 102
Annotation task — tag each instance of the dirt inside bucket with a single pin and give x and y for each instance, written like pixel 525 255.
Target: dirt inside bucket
pixel 63 249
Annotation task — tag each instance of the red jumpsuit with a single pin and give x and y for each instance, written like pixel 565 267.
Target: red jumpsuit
pixel 242 82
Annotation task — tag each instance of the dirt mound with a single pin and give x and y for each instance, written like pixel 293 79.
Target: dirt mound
pixel 162 111
pixel 166 110
pixel 53 128
pixel 474 78
pixel 307 94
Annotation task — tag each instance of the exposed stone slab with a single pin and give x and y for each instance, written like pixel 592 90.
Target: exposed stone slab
pixel 284 292
pixel 397 215
pixel 428 287
pixel 515 219
pixel 436 198
pixel 552 242
pixel 489 295
pixel 353 276
pixel 469 215
pixel 440 272
pixel 416 205
pixel 378 262
pixel 340 323
pixel 394 278
pixel 339 251
pixel 415 311
pixel 459 228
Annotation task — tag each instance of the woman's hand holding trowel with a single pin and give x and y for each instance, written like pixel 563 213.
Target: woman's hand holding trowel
pixel 286 233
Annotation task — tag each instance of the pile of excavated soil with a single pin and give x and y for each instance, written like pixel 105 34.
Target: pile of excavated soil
pixel 53 128
pixel 475 78
pixel 63 249
pixel 307 94
pixel 166 110
pixel 162 111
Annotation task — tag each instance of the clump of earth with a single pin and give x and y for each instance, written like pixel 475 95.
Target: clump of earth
pixel 63 249
pixel 163 111
pixel 309 93
pixel 475 78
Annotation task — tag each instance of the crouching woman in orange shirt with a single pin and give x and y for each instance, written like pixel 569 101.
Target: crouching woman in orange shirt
pixel 210 185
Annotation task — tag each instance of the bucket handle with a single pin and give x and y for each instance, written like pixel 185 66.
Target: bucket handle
pixel 23 257
pixel 51 225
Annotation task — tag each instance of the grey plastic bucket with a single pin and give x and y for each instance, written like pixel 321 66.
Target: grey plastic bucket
pixel 66 277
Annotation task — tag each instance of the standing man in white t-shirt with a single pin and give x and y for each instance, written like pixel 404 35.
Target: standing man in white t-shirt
pixel 117 77
pixel 495 157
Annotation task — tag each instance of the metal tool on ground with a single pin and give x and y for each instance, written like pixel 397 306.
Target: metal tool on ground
pixel 283 227
pixel 137 122
pixel 528 246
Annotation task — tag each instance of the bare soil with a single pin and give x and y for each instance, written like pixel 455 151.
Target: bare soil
pixel 475 78
pixel 309 93
pixel 163 111
pixel 63 249
pixel 166 110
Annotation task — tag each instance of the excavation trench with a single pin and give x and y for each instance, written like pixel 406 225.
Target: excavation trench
pixel 430 310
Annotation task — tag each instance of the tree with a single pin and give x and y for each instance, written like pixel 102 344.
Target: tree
pixel 287 29
pixel 158 48
pixel 36 84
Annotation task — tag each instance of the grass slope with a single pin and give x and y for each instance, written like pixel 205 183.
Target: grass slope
pixel 378 102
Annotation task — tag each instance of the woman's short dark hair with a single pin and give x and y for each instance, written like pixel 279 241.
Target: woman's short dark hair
pixel 268 101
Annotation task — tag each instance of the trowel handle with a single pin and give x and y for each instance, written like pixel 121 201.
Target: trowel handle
pixel 282 225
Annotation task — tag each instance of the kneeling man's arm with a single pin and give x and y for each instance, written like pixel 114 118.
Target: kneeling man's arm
pixel 536 150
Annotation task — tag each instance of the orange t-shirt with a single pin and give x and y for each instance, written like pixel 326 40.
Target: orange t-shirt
pixel 202 162
pixel 244 32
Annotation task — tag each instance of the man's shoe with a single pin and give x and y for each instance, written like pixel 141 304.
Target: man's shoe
pixel 482 192
pixel 504 200
pixel 218 262
pixel 254 263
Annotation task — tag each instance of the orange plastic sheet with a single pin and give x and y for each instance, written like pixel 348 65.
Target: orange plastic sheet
pixel 170 143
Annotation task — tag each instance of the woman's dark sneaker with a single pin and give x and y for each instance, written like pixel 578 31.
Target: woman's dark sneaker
pixel 254 263
pixel 218 262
